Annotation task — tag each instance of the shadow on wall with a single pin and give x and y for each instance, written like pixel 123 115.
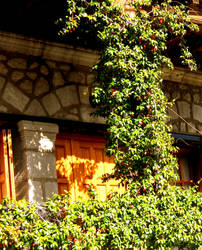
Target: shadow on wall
pixel 77 170
pixel 77 174
pixel 19 170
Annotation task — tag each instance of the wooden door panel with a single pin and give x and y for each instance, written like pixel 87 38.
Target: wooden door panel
pixel 89 164
pixel 65 183
pixel 99 159
pixel 7 184
pixel 101 191
pixel 83 169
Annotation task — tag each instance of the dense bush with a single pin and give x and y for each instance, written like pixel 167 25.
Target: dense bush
pixel 171 218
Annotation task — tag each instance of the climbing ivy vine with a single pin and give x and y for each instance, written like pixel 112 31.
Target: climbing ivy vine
pixel 133 49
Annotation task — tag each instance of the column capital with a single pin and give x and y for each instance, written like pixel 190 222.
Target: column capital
pixel 38 136
pixel 38 126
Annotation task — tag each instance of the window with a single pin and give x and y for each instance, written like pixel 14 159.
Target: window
pixel 7 185
pixel 190 165
pixel 185 169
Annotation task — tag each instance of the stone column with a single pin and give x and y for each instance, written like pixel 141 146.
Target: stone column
pixel 38 179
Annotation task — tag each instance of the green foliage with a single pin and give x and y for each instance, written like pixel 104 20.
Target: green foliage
pixel 171 218
pixel 133 50
pixel 151 214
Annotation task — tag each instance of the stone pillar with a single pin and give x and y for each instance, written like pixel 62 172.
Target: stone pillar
pixel 38 179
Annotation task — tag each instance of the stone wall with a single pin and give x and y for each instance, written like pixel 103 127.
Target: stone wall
pixel 41 82
pixel 52 80
pixel 185 88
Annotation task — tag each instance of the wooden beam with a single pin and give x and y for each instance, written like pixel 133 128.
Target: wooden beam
pixel 6 185
pixel 11 166
pixel 196 19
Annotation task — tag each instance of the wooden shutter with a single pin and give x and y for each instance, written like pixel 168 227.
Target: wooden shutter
pixel 7 184
pixel 88 150
pixel 199 174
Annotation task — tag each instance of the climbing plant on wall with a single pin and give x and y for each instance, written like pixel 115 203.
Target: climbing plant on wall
pixel 133 49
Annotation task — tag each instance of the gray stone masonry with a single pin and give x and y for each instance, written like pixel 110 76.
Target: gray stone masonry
pixel 188 104
pixel 39 179
pixel 45 81
pixel 53 80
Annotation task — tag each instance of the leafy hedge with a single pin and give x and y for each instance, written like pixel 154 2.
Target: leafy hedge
pixel 171 218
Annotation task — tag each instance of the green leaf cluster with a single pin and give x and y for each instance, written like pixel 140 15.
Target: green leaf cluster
pixel 130 220
pixel 133 50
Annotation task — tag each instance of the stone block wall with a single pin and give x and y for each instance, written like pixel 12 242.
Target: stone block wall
pixel 188 105
pixel 44 79
pixel 39 82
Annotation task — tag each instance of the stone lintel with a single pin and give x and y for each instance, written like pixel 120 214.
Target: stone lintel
pixel 47 50
pixel 182 75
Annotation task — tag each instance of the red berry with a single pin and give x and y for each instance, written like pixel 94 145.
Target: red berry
pixel 70 246
pixel 113 90
pixel 161 20
pixel 79 220
pixel 108 196
pixel 147 115
pixel 140 40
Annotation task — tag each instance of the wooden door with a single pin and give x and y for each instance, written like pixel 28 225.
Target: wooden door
pixel 64 149
pixel 86 165
pixel 7 185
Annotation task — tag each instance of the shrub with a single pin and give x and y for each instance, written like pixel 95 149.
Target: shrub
pixel 170 218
